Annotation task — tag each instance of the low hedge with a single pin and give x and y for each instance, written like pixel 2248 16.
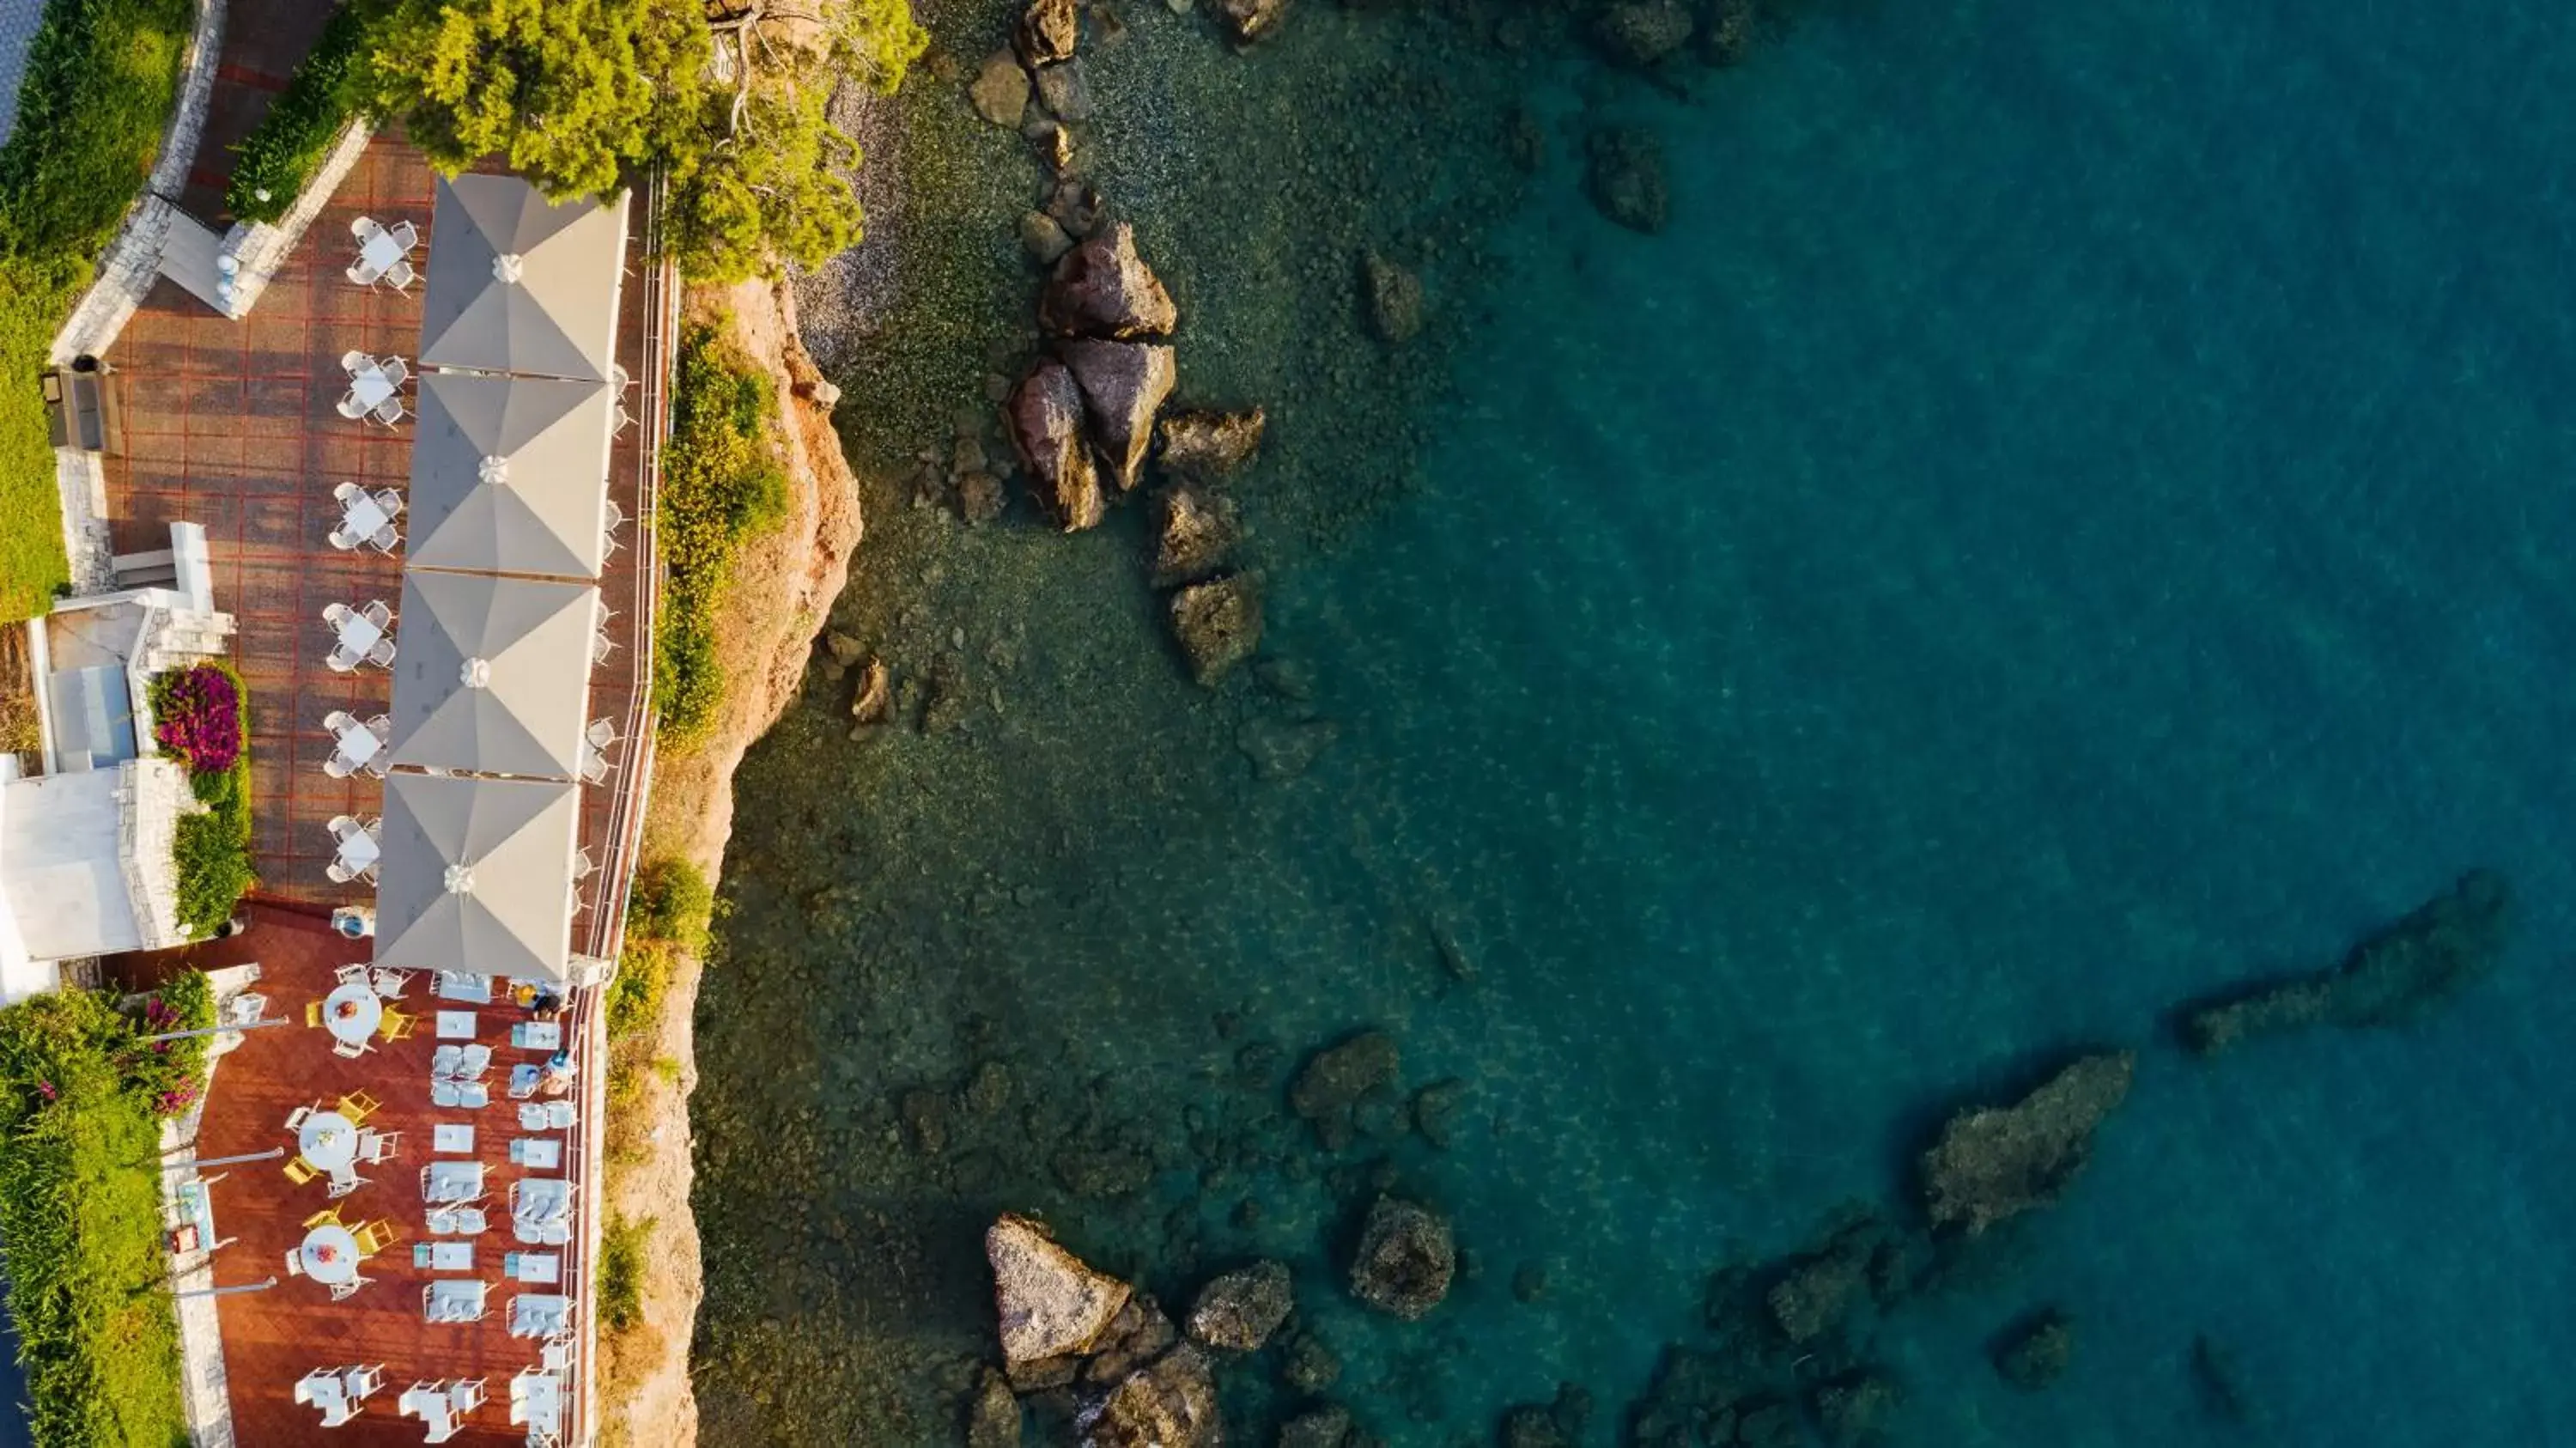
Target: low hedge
pixel 272 165
pixel 720 488
pixel 211 853
pixel 81 1094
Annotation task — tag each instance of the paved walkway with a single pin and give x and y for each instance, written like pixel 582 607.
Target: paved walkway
pixel 19 21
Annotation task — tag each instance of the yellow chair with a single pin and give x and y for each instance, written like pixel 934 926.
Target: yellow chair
pixel 358 1106
pixel 313 1014
pixel 298 1170
pixel 374 1237
pixel 327 1217
pixel 397 1026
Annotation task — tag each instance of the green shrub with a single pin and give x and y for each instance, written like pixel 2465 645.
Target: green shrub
pixel 621 1271
pixel 720 488
pixel 211 851
pixel 272 164
pixel 670 901
pixel 80 1208
pixel 635 996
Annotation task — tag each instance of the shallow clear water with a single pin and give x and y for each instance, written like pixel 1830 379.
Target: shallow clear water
pixel 2069 515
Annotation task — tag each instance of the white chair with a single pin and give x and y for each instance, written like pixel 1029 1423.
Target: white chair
pixel 354 973
pixel 473 1095
pixel 338 722
pixel 442 1062
pixel 361 273
pixel 341 1186
pixel 405 235
pixel 378 613
pixel 395 370
pixel 333 613
pixel 625 420
pixel 560 1115
pixel 345 493
pixel 601 733
pixel 378 1146
pixel 385 539
pixel 391 983
pixel 295 1119
pixel 365 229
pixel 616 520
pixel 532 1116
pixel 294 1262
pixel 594 769
pixel 473 1060
pixel 341 1291
pixel 390 411
pixel 337 767
pixel 600 648
pixel 342 541
pixel 342 1048
pixel 390 502
pixel 382 655
pixel 466 1396
pixel 443 1093
pixel 400 276
pixel 337 873
pixel 354 363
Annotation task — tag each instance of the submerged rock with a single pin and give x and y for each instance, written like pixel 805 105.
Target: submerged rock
pixel 1251 20
pixel 1406 1259
pixel 1283 749
pixel 1239 1311
pixel 1394 299
pixel 1065 91
pixel 1000 90
pixel 1204 446
pixel 1643 33
pixel 992 1412
pixel 1336 1077
pixel 1218 624
pixel 1819 1292
pixel 1730 32
pixel 2395 975
pixel 1045 415
pixel 872 703
pixel 1123 387
pixel 1102 288
pixel 1138 1335
pixel 1327 1425
pixel 1625 177
pixel 1435 1110
pixel 1048 31
pixel 1076 206
pixel 1310 1365
pixel 1856 1409
pixel 1051 1304
pixel 1169 1403
pixel 1996 1162
pixel 2036 1351
pixel 1043 238
pixel 1197 536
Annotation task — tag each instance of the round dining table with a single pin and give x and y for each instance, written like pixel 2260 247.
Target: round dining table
pixel 353 1012
pixel 329 1255
pixel 328 1140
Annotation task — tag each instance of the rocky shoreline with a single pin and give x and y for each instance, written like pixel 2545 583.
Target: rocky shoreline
pixel 782 589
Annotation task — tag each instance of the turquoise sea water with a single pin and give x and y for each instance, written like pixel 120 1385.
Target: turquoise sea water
pixel 2070 514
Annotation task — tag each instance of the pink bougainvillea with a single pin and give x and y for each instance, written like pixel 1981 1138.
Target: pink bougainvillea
pixel 199 714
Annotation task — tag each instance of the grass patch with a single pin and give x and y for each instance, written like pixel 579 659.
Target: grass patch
pixel 273 164
pixel 80 1100
pixel 211 853
pixel 721 487
pixel 98 90
pixel 635 996
pixel 621 1271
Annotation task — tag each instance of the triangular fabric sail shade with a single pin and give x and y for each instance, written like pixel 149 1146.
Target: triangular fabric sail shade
pixel 520 284
pixel 510 475
pixel 473 875
pixel 492 674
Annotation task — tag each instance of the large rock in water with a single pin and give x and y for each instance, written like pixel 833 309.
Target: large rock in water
pixel 1168 1403
pixel 1394 299
pixel 1045 415
pixel 1218 624
pixel 1205 446
pixel 1240 1310
pixel 1048 31
pixel 2393 976
pixel 1995 1162
pixel 1050 1303
pixel 1405 1259
pixel 1198 534
pixel 1336 1077
pixel 1123 387
pixel 1102 288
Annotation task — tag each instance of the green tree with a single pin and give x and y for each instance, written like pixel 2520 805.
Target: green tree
pixel 877 41
pixel 569 92
pixel 772 191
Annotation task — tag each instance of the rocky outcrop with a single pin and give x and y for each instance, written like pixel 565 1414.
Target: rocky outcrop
pixel 1000 90
pixel 1327 1425
pixel 1855 1410
pixel 1102 288
pixel 1123 386
pixel 1405 1259
pixel 1996 1162
pixel 992 1412
pixel 1197 535
pixel 1251 20
pixel 2396 975
pixel 1051 1305
pixel 1643 33
pixel 1205 446
pixel 1624 176
pixel 2036 1351
pixel 1048 31
pixel 1239 1311
pixel 1045 418
pixel 1218 624
pixel 1168 1403
pixel 1394 299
